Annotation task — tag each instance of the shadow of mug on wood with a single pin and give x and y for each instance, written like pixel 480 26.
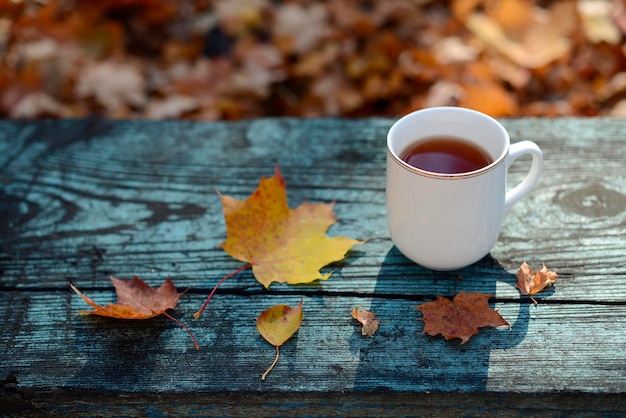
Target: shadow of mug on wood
pixel 445 219
pixel 399 357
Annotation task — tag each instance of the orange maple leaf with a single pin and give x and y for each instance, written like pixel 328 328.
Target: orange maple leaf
pixel 367 319
pixel 461 317
pixel 530 283
pixel 281 244
pixel 137 300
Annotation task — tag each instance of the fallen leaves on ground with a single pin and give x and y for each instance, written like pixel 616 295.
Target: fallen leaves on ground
pixel 234 59
pixel 137 300
pixel 282 244
pixel 367 319
pixel 277 324
pixel 460 317
pixel 530 283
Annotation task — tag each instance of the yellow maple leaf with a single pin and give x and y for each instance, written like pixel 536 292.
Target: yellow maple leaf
pixel 281 244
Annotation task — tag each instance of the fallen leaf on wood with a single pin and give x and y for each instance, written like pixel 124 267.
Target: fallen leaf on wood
pixel 278 243
pixel 461 317
pixel 277 324
pixel 530 283
pixel 281 244
pixel 367 319
pixel 137 300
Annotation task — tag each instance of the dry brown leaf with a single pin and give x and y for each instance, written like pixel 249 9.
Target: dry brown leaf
pixel 173 106
pixel 530 283
pixel 367 319
pixel 542 43
pixel 489 98
pixel 463 8
pixel 515 16
pixel 234 59
pixel 114 84
pixel 36 105
pixel 301 27
pixel 137 300
pixel 444 93
pixel 240 16
pixel 454 49
pixel 598 22
pixel 460 317
pixel 509 72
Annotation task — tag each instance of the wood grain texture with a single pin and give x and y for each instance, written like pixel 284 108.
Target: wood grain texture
pixel 81 200
pixel 50 346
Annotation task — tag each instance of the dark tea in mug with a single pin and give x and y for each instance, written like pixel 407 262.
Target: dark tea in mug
pixel 446 155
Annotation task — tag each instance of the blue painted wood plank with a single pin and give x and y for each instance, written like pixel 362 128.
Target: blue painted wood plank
pixel 572 347
pixel 88 199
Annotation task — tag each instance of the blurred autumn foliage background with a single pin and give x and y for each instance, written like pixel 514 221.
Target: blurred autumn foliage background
pixel 233 59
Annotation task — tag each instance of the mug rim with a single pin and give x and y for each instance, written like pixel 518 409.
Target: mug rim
pixel 449 176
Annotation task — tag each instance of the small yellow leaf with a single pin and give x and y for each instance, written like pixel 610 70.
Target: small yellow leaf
pixel 278 323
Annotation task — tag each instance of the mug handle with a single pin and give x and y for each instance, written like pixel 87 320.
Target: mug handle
pixel 516 150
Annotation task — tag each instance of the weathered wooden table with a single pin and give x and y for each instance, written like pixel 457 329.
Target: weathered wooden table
pixel 81 200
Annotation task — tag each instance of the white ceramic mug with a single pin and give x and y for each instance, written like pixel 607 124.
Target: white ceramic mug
pixel 449 221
